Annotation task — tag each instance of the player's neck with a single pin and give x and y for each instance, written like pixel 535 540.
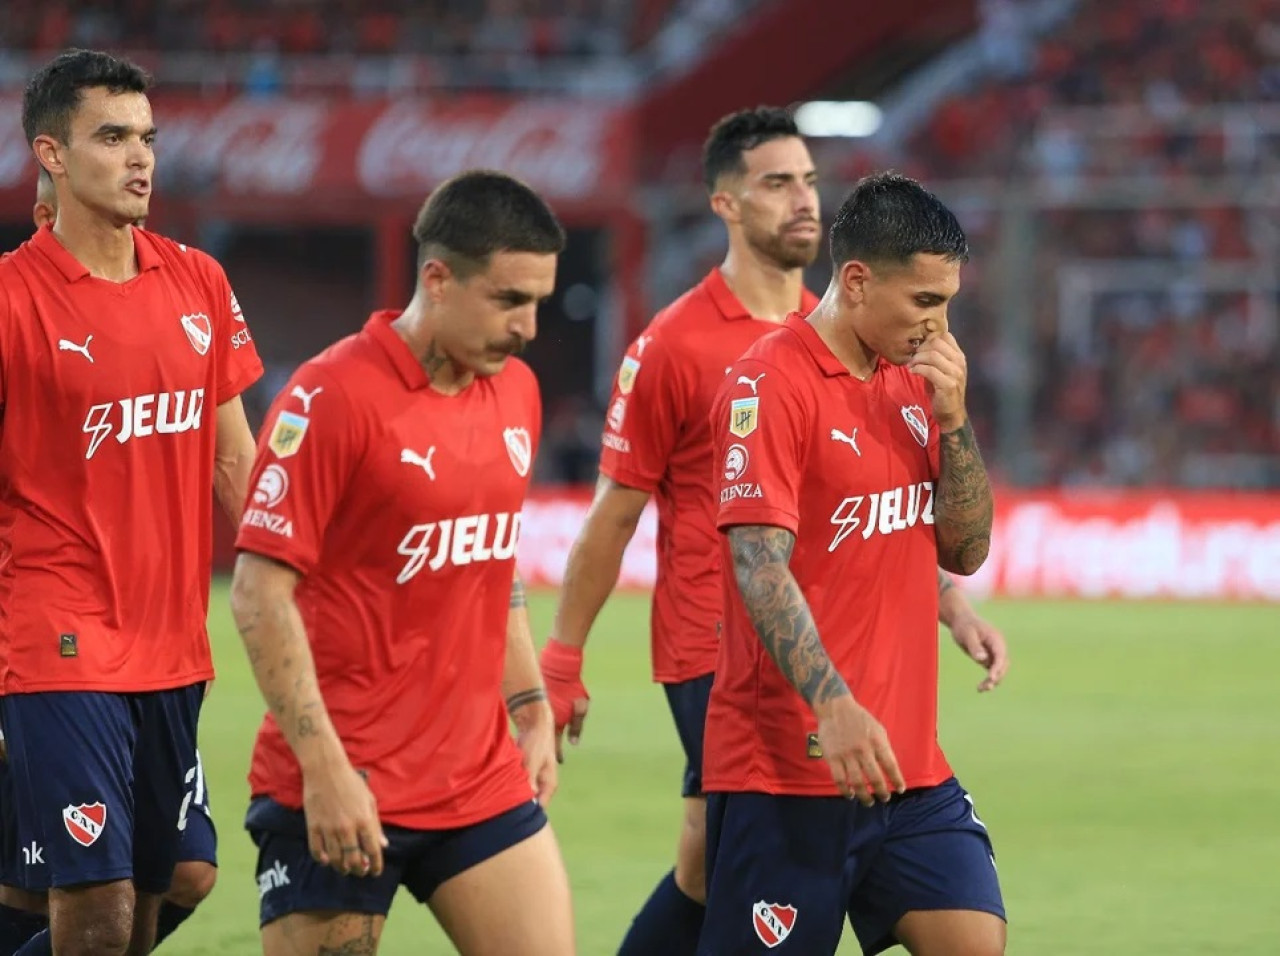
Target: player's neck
pixel 445 375
pixel 764 289
pixel 843 341
pixel 105 249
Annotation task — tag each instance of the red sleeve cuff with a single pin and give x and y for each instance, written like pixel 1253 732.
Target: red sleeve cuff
pixel 769 517
pixel 629 476
pixel 237 384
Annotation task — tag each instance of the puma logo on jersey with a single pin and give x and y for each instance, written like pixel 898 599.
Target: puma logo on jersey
pixel 851 439
pixel 305 396
pixel 753 382
pixel 410 457
pixel 166 413
pixel 886 512
pixel 458 541
pixel 66 345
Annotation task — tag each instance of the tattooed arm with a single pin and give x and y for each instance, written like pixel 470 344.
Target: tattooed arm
pixel 780 613
pixel 526 698
pixel 963 505
pixel 341 813
pixel 851 740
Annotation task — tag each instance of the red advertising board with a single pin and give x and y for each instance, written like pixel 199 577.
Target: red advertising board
pixel 308 152
pixel 1217 546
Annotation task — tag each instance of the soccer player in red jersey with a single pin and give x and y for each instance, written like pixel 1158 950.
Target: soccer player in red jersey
pixel 849 470
pixel 23 914
pixel 122 358
pixel 378 599
pixel 658 442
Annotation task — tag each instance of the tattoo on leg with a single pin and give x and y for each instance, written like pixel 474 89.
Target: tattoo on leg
pixel 365 944
pixel 780 613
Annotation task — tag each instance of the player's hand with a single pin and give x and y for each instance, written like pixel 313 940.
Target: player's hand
pixel 343 829
pixel 536 737
pixel 942 365
pixel 562 673
pixel 983 642
pixel 856 748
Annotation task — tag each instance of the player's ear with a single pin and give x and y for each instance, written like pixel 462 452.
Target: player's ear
pixel 48 153
pixel 725 205
pixel 433 276
pixel 853 277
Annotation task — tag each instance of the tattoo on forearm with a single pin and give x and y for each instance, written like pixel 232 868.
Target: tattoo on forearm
pixel 531 696
pixel 964 507
pixel 945 583
pixel 780 612
pixel 517 594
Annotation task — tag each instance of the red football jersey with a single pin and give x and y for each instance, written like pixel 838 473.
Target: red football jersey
pixel 400 507
pixel 658 439
pixel 850 468
pixel 107 435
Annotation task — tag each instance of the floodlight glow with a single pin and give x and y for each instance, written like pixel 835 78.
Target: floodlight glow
pixel 853 118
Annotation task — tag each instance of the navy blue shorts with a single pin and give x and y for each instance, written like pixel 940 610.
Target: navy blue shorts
pixel 688 702
pixel 97 784
pixel 10 851
pixel 793 868
pixel 290 881
pixel 199 838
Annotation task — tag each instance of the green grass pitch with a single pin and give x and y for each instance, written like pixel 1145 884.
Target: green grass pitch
pixel 1128 771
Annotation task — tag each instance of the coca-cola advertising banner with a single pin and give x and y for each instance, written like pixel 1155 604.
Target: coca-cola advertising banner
pixel 326 150
pixel 1100 544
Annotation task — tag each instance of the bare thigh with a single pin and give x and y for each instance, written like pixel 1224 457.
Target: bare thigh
pixel 691 852
pixel 513 904
pixel 93 920
pixel 951 933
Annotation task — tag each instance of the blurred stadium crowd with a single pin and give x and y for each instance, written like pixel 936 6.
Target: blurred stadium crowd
pixel 1114 170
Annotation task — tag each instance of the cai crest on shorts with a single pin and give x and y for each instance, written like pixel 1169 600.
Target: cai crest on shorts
pixel 773 922
pixel 85 822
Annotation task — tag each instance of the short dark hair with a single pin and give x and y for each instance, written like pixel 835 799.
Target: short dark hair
pixel 738 133
pixel 55 90
pixel 888 218
pixel 468 218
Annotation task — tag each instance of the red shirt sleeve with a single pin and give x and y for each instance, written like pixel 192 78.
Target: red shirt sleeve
pixel 649 403
pixel 308 449
pixel 237 358
pixel 761 425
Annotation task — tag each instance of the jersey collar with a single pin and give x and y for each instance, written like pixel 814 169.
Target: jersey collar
pixel 729 305
pixel 808 335
pixel 397 350
pixel 71 267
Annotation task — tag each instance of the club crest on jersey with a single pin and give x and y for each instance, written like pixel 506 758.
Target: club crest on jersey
pixel 273 485
pixel 918 422
pixel 627 375
pixel 744 415
pixel 519 449
pixel 286 436
pixel 85 822
pixel 773 922
pixel 199 331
